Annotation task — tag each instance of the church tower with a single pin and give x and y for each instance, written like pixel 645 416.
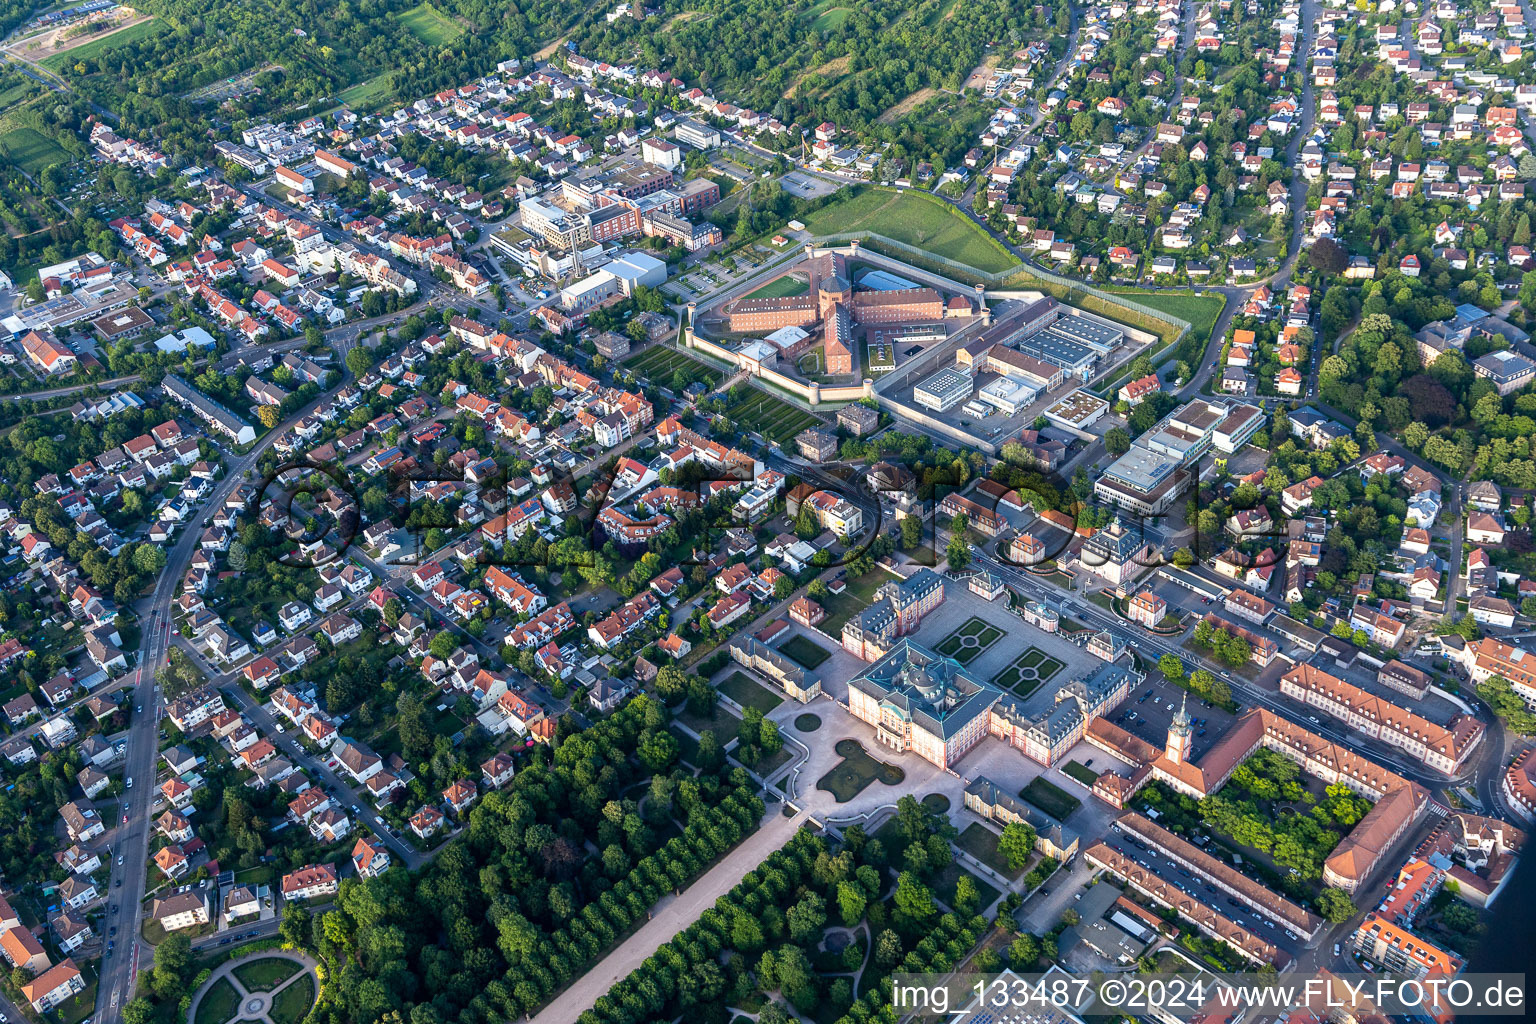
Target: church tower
pixel 1179 733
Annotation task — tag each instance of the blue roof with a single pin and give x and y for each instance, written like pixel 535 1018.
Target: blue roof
pixel 1470 313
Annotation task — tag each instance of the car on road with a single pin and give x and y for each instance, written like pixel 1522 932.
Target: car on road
pixel 138 709
pixel 1336 949
pixel 112 932
pixel 119 860
pixel 129 783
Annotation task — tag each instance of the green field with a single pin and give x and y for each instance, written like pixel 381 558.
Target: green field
pixel 749 694
pixel 97 47
pixel 831 19
pixel 779 287
pixel 30 150
pixel 804 651
pixel 431 25
pixel 1200 310
pixel 772 418
pixel 371 93
pixel 658 363
pixel 918 220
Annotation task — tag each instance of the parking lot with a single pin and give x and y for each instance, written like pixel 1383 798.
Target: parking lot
pixel 1149 711
pixel 1197 888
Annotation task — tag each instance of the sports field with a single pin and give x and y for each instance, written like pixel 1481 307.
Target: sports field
pixel 375 91
pixel 918 220
pixel 774 419
pixel 658 363
pixel 431 25
pixel 779 287
pixel 68 58
pixel 30 150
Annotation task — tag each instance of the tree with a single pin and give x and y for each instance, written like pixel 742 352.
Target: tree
pixel 914 902
pixel 1024 950
pixel 1016 843
pixel 967 897
pixel 1329 256
pixel 1335 905
pixel 358 361
pixel 1117 441
pixel 851 902
pixel 269 415
pixel 1171 667
pixel 911 532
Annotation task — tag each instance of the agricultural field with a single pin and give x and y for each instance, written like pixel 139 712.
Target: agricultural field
pixel 431 25
pixel 659 364
pixel 101 44
pixel 773 418
pixel 30 150
pixel 915 219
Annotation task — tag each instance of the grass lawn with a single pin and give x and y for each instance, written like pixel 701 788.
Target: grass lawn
pixel 807 722
pixel 981 842
pixel 848 778
pixel 938 803
pixel 771 417
pixel 293 1003
pixel 749 694
pixel 779 287
pixel 804 651
pixel 858 596
pixel 97 47
pixel 945 881
pixel 1200 310
pixel 266 974
pixel 915 219
pixel 374 92
pixel 1050 798
pixel 1081 772
pixel 220 1003
pixel 431 25
pixel 30 150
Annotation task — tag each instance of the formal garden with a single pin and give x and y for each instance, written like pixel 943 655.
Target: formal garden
pixel 1027 672
pixel 279 988
pixel 969 640
pixel 849 777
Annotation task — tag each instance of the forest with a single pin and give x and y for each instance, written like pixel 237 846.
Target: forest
pixel 321 49
pixel 550 871
pixel 849 66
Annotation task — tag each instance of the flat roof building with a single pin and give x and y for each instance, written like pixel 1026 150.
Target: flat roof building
pixel 944 390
